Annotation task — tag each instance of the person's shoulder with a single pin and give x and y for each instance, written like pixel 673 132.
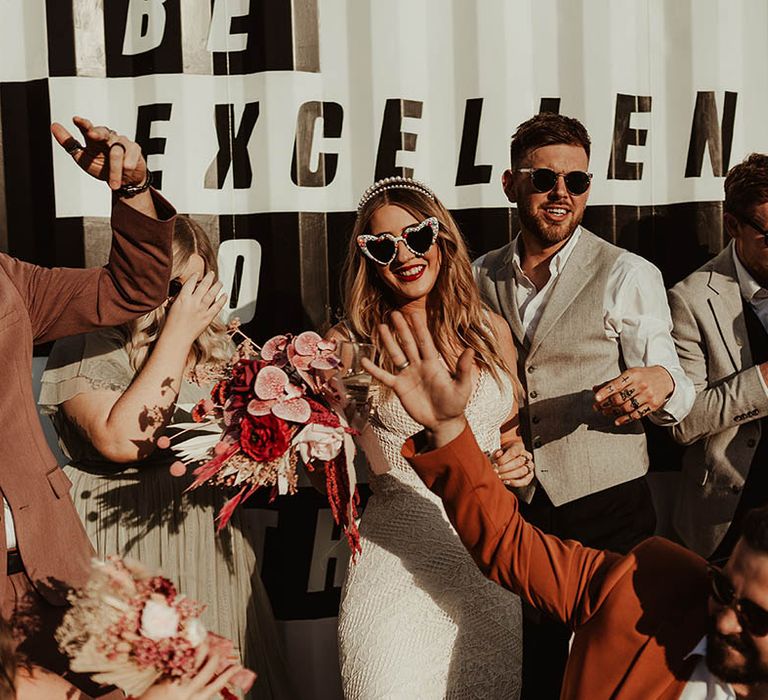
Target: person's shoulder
pixel 721 266
pixel 684 571
pixel 499 326
pixel 637 263
pixel 491 260
pixel 339 332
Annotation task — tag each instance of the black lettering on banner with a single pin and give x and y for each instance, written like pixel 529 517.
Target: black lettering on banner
pixel 332 115
pixel 624 136
pixel 30 213
pixel 59 20
pixel 142 37
pixel 262 38
pixel 233 149
pixel 706 131
pixel 468 172
pixel 549 105
pixel 152 146
pixel 393 139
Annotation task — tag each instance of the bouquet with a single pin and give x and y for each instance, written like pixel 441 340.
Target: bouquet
pixel 274 407
pixel 130 628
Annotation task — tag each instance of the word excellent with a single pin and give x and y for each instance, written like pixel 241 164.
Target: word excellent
pixel 310 168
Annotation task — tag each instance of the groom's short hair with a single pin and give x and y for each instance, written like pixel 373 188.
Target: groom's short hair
pixel 547 129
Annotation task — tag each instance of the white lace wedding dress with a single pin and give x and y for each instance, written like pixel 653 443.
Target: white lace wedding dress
pixel 418 619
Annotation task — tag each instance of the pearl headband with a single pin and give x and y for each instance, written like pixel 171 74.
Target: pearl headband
pixel 395 182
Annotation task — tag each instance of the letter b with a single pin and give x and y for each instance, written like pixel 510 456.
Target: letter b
pixel 144 26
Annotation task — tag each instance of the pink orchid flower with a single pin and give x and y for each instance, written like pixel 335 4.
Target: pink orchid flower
pixel 308 352
pixel 276 394
pixel 274 350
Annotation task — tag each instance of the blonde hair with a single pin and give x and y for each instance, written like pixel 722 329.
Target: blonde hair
pixel 456 315
pixel 213 343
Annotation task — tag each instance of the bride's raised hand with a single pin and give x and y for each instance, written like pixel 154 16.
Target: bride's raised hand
pixel 421 381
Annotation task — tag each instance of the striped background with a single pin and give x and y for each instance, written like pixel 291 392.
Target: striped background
pixel 684 53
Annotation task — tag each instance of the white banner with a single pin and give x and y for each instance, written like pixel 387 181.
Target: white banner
pixel 671 92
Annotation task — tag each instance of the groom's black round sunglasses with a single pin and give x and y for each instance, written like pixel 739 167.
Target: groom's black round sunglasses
pixel 543 179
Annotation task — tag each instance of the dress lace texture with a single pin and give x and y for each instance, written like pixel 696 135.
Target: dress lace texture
pixel 418 619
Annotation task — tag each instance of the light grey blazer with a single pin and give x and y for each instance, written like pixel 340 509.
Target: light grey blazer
pixel 723 428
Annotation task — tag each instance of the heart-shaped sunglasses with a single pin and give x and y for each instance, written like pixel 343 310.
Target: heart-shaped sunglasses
pixel 418 238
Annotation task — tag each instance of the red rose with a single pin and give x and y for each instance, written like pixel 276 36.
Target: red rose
pixel 265 438
pixel 243 375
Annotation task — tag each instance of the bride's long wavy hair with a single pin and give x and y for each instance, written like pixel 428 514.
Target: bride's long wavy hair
pixel 213 344
pixel 456 315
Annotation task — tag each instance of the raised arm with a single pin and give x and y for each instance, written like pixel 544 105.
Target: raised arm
pixel 64 302
pixel 565 579
pixel 124 427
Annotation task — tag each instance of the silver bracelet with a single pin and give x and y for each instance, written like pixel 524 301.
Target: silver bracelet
pixel 133 190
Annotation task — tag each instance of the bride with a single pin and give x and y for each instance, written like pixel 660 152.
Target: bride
pixel 417 618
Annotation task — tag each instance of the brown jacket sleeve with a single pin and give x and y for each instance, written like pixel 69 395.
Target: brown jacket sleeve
pixel 62 301
pixel 562 578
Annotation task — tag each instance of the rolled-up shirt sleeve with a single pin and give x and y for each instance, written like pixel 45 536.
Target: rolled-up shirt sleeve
pixel 637 313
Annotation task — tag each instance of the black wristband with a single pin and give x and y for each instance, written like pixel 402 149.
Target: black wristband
pixel 133 190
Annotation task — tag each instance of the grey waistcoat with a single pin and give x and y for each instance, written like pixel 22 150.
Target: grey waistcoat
pixel 576 450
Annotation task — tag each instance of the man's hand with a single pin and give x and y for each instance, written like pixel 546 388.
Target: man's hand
pixel 106 154
pixel 421 381
pixel 635 393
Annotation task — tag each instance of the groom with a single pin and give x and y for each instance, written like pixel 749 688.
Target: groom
pixel 654 623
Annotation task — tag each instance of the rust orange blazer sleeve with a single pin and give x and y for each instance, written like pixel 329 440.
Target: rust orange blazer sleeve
pixel 563 578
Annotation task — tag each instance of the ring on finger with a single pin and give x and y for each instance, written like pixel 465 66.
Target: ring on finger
pixel 120 145
pixel 402 366
pixel 73 147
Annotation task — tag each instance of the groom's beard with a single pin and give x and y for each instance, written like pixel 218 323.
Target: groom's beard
pixel 747 669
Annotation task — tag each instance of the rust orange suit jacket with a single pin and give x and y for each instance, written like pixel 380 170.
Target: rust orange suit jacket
pixel 635 617
pixel 38 305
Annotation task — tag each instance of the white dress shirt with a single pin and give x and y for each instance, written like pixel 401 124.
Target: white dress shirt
pixel 756 296
pixel 703 684
pixel 636 315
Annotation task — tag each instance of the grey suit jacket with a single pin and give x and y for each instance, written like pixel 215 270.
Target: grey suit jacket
pixel 723 427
